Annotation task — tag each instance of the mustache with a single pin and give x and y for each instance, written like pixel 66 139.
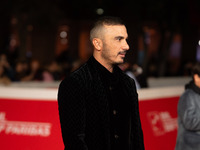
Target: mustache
pixel 122 52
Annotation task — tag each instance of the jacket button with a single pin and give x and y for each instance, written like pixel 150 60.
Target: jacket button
pixel 116 136
pixel 110 88
pixel 114 112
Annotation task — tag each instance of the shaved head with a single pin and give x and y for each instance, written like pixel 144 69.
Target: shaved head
pixel 98 28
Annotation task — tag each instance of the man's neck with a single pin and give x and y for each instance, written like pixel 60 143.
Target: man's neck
pixel 108 66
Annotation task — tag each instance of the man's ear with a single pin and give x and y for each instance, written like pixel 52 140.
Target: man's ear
pixel 196 77
pixel 97 43
pixel 196 80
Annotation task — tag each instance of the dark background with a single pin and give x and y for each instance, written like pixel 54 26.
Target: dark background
pixel 37 22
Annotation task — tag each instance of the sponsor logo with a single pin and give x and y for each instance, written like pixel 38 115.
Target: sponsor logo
pixel 24 128
pixel 162 122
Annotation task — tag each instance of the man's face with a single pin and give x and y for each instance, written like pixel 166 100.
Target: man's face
pixel 197 80
pixel 114 44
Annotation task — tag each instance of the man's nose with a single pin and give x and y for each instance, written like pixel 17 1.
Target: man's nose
pixel 126 46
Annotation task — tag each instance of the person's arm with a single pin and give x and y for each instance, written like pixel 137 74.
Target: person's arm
pixel 72 114
pixel 137 133
pixel 189 112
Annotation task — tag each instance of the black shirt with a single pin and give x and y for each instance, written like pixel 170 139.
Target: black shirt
pixel 119 106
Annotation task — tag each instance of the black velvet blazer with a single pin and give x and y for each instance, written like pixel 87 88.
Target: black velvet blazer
pixel 84 112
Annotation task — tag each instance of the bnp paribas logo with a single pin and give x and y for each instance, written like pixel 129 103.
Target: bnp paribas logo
pixel 162 122
pixel 23 128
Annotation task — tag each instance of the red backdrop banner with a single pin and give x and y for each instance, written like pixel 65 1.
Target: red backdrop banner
pixel 159 123
pixel 29 125
pixel 33 124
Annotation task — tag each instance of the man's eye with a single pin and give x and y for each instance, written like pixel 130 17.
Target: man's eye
pixel 119 39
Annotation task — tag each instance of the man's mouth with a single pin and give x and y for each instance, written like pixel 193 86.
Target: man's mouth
pixel 123 54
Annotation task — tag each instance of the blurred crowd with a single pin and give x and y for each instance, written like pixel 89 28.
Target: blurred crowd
pixel 33 70
pixel 159 51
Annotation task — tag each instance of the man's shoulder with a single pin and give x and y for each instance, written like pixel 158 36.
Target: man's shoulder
pixel 79 75
pixel 187 98
pixel 126 77
pixel 80 71
pixel 189 93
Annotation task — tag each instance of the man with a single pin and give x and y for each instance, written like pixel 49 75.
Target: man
pixel 188 137
pixel 98 103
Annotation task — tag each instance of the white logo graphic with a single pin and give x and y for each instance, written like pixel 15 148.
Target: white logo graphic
pixel 162 122
pixel 23 128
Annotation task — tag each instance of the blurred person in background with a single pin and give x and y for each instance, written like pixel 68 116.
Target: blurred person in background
pixel 140 76
pixel 36 70
pixel 98 103
pixel 8 70
pixel 21 70
pixel 4 79
pixel 126 67
pixel 188 137
pixel 29 72
pixel 52 72
pixel 174 58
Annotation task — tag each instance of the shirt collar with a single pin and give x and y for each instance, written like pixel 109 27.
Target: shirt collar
pixel 105 75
